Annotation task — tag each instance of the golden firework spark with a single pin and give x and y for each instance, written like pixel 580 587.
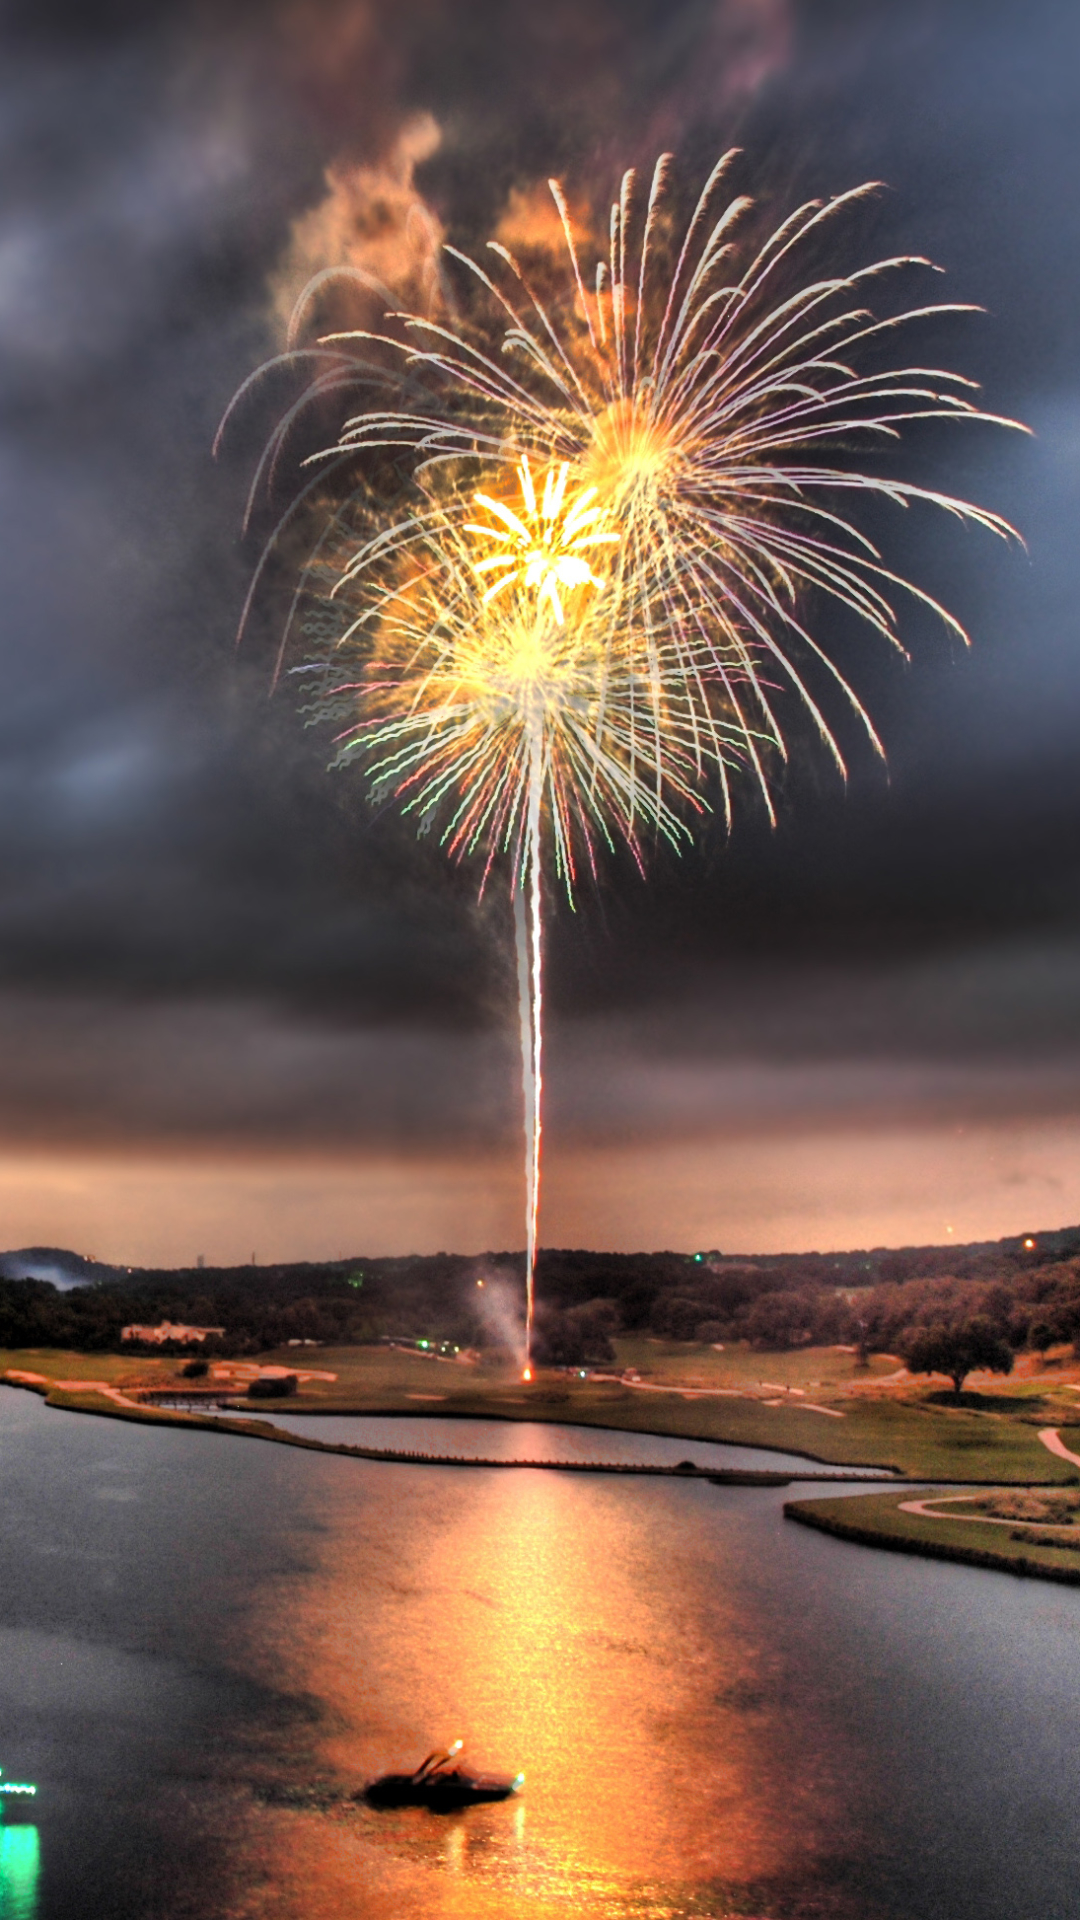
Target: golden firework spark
pixel 542 546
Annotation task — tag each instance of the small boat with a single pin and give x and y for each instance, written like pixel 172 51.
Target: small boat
pixel 441 1785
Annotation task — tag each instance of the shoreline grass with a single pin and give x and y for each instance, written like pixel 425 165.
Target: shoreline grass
pixel 876 1521
pixel 92 1401
pixel 853 1422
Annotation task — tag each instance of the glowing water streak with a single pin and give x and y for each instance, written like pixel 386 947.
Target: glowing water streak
pixel 20 1868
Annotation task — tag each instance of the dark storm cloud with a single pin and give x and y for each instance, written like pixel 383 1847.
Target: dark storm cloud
pixel 992 1036
pixel 166 829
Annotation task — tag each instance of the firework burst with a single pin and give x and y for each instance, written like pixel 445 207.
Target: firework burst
pixel 484 660
pixel 702 384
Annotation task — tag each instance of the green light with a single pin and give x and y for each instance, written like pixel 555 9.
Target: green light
pixel 14 1786
pixel 20 1861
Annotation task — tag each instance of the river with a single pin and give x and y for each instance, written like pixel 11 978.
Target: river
pixel 207 1642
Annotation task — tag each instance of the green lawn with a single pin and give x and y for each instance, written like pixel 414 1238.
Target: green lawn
pixel 117 1368
pixel 824 1369
pixel 919 1438
pixel 922 1439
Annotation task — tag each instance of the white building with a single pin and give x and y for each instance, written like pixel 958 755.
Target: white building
pixel 168 1330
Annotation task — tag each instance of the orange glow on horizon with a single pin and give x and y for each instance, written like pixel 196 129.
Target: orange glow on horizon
pixel 777 1191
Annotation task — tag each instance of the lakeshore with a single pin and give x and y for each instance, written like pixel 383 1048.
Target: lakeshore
pixel 899 1525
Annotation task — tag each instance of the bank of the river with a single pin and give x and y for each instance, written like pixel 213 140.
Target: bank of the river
pixel 939 1532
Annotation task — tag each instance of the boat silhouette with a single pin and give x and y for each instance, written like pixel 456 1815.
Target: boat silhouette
pixel 441 1785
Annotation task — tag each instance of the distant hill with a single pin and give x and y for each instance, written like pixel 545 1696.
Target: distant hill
pixel 852 1267
pixel 61 1268
pixel 1059 1243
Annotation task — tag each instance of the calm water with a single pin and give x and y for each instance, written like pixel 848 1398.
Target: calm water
pixel 523 1440
pixel 718 1713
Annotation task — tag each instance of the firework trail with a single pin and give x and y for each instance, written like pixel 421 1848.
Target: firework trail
pixel 484 681
pixel 577 665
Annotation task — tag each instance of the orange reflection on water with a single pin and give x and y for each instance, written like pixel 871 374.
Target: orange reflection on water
pixel 586 1631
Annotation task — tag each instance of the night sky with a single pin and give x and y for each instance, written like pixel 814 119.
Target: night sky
pixel 238 1011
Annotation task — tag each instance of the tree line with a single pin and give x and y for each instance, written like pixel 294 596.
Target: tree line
pixel 1016 1295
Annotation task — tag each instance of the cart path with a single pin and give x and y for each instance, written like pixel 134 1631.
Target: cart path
pixel 926 1509
pixel 1054 1443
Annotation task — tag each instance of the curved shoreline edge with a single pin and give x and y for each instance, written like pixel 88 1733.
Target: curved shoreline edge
pixel 539 1416
pixel 850 1530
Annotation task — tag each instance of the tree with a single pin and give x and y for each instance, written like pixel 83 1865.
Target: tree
pixel 778 1321
pixel 675 1316
pixel 1041 1336
pixel 958 1349
pixel 574 1339
pixel 277 1387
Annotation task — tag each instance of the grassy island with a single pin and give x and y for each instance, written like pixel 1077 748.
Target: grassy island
pixel 1015 1510
pixel 978 1532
